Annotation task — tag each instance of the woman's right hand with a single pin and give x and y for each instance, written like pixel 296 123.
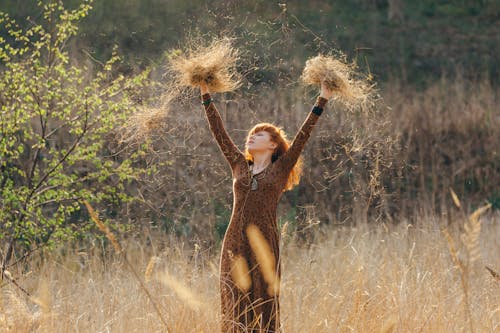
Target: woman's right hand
pixel 204 88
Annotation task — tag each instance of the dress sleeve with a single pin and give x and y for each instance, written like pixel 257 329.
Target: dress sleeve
pixel 229 149
pixel 290 157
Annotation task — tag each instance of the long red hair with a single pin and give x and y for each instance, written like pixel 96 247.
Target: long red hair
pixel 278 136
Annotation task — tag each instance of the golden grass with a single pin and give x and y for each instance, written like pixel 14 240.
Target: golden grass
pixel 353 279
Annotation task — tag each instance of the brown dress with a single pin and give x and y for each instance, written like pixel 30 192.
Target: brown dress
pixel 249 289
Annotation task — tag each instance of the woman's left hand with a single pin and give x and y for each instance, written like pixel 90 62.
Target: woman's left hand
pixel 204 88
pixel 325 92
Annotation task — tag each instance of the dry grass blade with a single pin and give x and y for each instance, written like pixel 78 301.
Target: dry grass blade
pixel 454 196
pixel 12 280
pixel 8 275
pixel 104 228
pixel 153 262
pixel 464 276
pixel 265 258
pixel 214 64
pixel 284 229
pixel 495 275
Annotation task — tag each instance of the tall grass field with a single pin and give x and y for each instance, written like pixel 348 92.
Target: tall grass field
pixel 417 277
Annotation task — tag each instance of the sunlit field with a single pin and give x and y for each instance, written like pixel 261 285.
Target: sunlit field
pixel 124 130
pixel 377 278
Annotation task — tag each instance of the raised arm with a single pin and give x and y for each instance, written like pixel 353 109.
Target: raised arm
pixel 290 157
pixel 231 152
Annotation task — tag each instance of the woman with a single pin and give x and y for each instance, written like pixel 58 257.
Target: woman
pixel 250 264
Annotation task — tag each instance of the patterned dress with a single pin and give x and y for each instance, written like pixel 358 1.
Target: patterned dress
pixel 250 262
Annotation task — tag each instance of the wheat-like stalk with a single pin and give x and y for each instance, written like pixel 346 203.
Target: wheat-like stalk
pixel 240 273
pixel 153 262
pixel 453 250
pixel 265 258
pixel 472 230
pixel 454 196
pixel 470 239
pixel 104 228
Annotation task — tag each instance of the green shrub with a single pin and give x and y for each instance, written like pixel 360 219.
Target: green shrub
pixel 56 126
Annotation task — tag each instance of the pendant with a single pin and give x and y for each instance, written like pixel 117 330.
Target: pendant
pixel 254 184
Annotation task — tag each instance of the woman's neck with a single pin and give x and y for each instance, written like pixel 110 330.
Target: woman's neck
pixel 260 161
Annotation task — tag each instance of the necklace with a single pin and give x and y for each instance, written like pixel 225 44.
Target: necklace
pixel 258 176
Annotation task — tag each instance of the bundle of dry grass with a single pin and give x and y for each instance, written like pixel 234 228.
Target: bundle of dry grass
pixel 214 64
pixel 142 124
pixel 148 120
pixel 339 77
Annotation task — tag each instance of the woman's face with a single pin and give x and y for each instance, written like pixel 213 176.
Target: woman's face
pixel 260 141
